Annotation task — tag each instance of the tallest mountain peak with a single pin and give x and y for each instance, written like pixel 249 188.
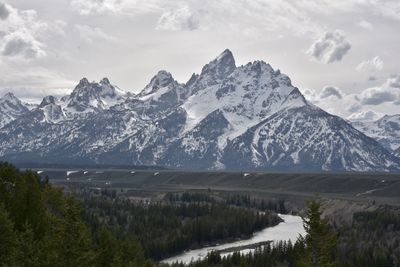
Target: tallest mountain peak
pixel 227 54
pixel 216 70
pixel 225 59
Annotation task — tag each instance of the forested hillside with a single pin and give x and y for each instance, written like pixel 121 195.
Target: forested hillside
pixel 40 226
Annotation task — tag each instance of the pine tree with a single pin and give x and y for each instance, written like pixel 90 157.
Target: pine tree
pixel 320 241
pixel 74 238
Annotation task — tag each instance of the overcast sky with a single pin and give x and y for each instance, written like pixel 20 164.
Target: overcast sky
pixel 343 55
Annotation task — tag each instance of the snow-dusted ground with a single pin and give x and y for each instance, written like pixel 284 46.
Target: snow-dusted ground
pixel 71 172
pixel 290 229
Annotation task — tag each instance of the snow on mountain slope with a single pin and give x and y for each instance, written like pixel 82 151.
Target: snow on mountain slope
pixel 199 148
pixel 226 117
pixel 246 96
pixel 149 144
pixel 397 152
pixel 162 93
pixel 52 112
pixel 307 138
pixel 10 108
pixel 386 130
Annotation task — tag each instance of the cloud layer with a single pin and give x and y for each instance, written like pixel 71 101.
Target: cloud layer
pixel 130 40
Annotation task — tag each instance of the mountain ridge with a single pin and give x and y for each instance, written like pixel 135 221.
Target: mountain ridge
pixel 226 117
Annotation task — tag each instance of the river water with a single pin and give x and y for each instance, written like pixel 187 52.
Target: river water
pixel 289 229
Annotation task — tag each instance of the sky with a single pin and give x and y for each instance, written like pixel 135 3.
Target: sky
pixel 343 55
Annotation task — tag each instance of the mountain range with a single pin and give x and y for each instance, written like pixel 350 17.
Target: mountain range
pixel 230 117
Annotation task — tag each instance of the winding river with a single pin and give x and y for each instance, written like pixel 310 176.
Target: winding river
pixel 287 230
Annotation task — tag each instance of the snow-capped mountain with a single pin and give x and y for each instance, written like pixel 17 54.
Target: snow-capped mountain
pixel 226 117
pixel 92 97
pixel 11 108
pixel 306 138
pixel 385 130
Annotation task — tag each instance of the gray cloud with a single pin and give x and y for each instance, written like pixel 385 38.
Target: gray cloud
pixel 332 47
pixel 18 44
pixel 179 19
pixel 377 97
pixel 4 11
pixel 387 92
pixel 330 91
pixel 394 81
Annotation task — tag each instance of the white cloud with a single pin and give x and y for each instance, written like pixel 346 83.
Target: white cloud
pixel 116 7
pixel 370 65
pixel 331 47
pixel 90 34
pixel 368 115
pixel 365 25
pixel 179 19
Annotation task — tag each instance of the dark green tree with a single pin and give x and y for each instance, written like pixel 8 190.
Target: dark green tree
pixel 8 238
pixel 320 240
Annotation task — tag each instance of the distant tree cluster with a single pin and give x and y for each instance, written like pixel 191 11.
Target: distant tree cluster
pixel 165 230
pixel 238 200
pixel 373 239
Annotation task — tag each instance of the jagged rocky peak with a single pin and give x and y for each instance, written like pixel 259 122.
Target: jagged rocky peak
pixel 10 101
pixel 83 82
pixel 261 70
pixel 213 72
pixel 48 100
pixel 11 108
pixel 160 80
pixel 105 81
pixel 104 87
pixel 93 95
pixel 10 98
pixel 220 67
